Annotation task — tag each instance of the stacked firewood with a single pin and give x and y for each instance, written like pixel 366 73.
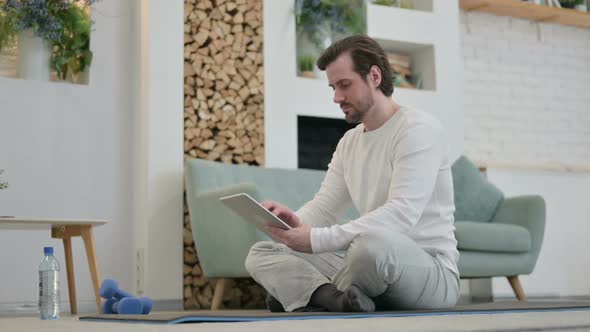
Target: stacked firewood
pixel 223 72
pixel 223 114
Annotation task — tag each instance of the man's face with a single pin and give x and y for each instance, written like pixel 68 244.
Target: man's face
pixel 351 91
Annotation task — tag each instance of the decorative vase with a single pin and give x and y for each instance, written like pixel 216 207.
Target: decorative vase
pixel 33 57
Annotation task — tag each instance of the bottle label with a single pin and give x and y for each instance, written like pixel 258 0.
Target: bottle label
pixel 49 288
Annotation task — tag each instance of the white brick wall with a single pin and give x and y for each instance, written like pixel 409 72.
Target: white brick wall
pixel 527 93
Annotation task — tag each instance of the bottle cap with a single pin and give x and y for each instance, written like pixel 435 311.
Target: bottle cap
pixel 48 250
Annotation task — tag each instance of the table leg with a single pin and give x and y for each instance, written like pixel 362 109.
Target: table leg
pixel 92 262
pixel 70 271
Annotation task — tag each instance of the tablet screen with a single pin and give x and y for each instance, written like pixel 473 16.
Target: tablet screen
pixel 252 211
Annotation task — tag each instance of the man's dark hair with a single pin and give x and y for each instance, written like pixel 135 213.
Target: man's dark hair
pixel 365 53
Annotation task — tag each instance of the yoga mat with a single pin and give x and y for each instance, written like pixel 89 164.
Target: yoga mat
pixel 263 315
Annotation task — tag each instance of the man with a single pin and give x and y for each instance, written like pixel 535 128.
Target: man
pixel 401 252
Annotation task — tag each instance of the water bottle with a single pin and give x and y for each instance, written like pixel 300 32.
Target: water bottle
pixel 49 286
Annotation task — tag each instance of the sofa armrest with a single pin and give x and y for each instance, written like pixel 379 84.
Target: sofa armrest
pixel 525 211
pixel 222 238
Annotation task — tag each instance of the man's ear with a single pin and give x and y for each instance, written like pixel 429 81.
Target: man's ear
pixel 375 75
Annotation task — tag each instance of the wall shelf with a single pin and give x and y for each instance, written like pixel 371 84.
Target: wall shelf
pixel 529 11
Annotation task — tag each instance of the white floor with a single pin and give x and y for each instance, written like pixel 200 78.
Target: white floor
pixel 538 321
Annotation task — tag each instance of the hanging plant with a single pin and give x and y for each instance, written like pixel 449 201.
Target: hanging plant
pixel 65 24
pixel 7 29
pixel 71 52
pixel 3 185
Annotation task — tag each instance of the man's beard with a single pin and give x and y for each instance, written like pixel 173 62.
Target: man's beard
pixel 356 113
pixel 353 116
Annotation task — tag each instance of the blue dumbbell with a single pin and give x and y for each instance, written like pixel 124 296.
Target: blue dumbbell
pixel 125 306
pixel 146 304
pixel 110 290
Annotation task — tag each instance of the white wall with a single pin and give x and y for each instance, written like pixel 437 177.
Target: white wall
pixel 111 150
pixel 67 153
pixel 564 262
pixel 526 104
pixel 159 155
pixel 526 92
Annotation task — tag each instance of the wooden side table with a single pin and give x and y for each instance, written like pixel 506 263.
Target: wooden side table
pixel 65 229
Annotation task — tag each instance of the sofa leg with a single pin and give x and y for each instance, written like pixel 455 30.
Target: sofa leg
pixel 480 290
pixel 218 293
pixel 517 288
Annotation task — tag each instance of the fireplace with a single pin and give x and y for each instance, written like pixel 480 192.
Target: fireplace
pixel 317 139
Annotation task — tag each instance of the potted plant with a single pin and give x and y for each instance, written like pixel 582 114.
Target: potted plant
pixel 321 22
pixel 63 25
pixel 581 6
pixel 388 3
pixel 407 4
pixel 324 20
pixel 570 3
pixel 7 30
pixel 305 65
pixel 3 185
pixel 71 52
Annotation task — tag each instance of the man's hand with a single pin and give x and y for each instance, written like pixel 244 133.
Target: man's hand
pixel 298 238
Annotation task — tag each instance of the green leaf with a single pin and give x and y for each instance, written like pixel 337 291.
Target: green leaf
pixel 72 52
pixel 7 29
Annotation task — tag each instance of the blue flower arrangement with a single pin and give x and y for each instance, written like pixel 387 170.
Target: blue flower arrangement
pixel 43 16
pixel 65 24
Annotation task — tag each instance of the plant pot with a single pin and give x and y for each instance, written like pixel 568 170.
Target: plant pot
pixel 582 8
pixel 33 57
pixel 306 47
pixel 307 74
pixel 79 78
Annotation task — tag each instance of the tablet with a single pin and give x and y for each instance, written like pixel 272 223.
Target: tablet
pixel 252 211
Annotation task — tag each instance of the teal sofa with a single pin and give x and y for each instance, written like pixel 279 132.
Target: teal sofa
pixel 223 240
pixel 496 236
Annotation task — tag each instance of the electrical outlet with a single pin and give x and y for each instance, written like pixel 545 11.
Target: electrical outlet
pixel 139 271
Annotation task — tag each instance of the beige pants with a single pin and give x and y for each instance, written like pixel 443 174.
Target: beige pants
pixel 390 268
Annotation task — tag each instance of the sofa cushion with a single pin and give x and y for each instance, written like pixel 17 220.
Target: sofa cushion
pixel 492 237
pixel 476 199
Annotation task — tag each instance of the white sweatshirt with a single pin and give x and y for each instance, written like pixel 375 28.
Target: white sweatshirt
pixel 398 177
